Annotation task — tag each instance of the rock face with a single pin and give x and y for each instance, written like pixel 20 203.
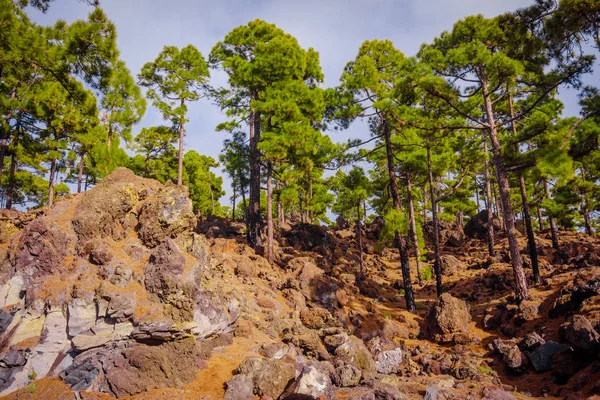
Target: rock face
pixel 109 290
pixel 354 352
pixel 477 226
pixel 581 335
pixel 450 265
pixel 447 317
pixel 541 357
pixel 511 354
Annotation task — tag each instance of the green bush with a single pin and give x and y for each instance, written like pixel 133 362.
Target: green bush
pixel 426 273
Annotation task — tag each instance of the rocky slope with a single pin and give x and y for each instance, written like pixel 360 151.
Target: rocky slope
pixel 120 292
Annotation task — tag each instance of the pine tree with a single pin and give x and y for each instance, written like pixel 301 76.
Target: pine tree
pixel 176 78
pixel 368 91
pixel 258 56
pixel 477 59
pixel 351 191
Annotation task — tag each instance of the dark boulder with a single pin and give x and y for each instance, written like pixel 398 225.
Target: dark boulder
pixel 478 225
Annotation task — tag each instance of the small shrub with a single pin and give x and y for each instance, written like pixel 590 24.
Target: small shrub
pixel 30 388
pixel 426 273
pixel 32 376
pixel 485 369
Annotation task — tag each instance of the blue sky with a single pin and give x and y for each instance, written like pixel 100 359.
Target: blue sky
pixel 335 28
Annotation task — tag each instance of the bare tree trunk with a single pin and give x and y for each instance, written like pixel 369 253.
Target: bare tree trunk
pixel 4 143
pixel 540 218
pixel 586 218
pixel 488 193
pixel 51 183
pixel 477 199
pixel 212 198
pixel 269 214
pixel 404 262
pixel 424 206
pixel 245 207
pixel 180 153
pixel 535 266
pixel 11 181
pixel 508 216
pixel 233 206
pixel 254 238
pixel 80 173
pixel 413 228
pixel 437 261
pixel 309 212
pixel 360 245
pixel 553 229
pixel 3 146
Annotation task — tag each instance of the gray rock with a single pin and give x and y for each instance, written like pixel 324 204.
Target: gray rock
pixel 239 388
pixel 541 358
pixel 13 359
pixel 432 393
pixel 81 376
pixel 311 383
pixel 388 361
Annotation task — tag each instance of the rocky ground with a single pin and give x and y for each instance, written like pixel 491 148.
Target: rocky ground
pixel 121 292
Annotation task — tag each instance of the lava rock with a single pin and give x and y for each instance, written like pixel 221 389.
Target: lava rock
pixel 346 376
pixel 541 357
pixel 448 316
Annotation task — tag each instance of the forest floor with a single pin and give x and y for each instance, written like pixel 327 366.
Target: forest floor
pixel 467 367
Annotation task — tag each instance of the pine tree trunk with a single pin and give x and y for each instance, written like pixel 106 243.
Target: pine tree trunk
pixel 537 279
pixel 3 146
pixel 490 211
pixel 4 143
pixel 553 229
pixel 413 228
pixel 309 212
pixel 507 215
pixel 540 218
pixel 424 206
pixel 212 198
pixel 51 183
pixel 180 154
pixel 460 221
pixel 280 213
pixel 233 205
pixel 11 181
pixel 360 245
pixel 437 260
pixel 269 214
pixel 80 173
pixel 254 238
pixel 404 262
pixel 477 199
pixel 535 266
pixel 586 218
pixel 245 207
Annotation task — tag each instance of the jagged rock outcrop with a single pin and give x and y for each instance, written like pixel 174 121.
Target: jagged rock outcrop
pixel 108 290
pixel 448 316
pixel 477 225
